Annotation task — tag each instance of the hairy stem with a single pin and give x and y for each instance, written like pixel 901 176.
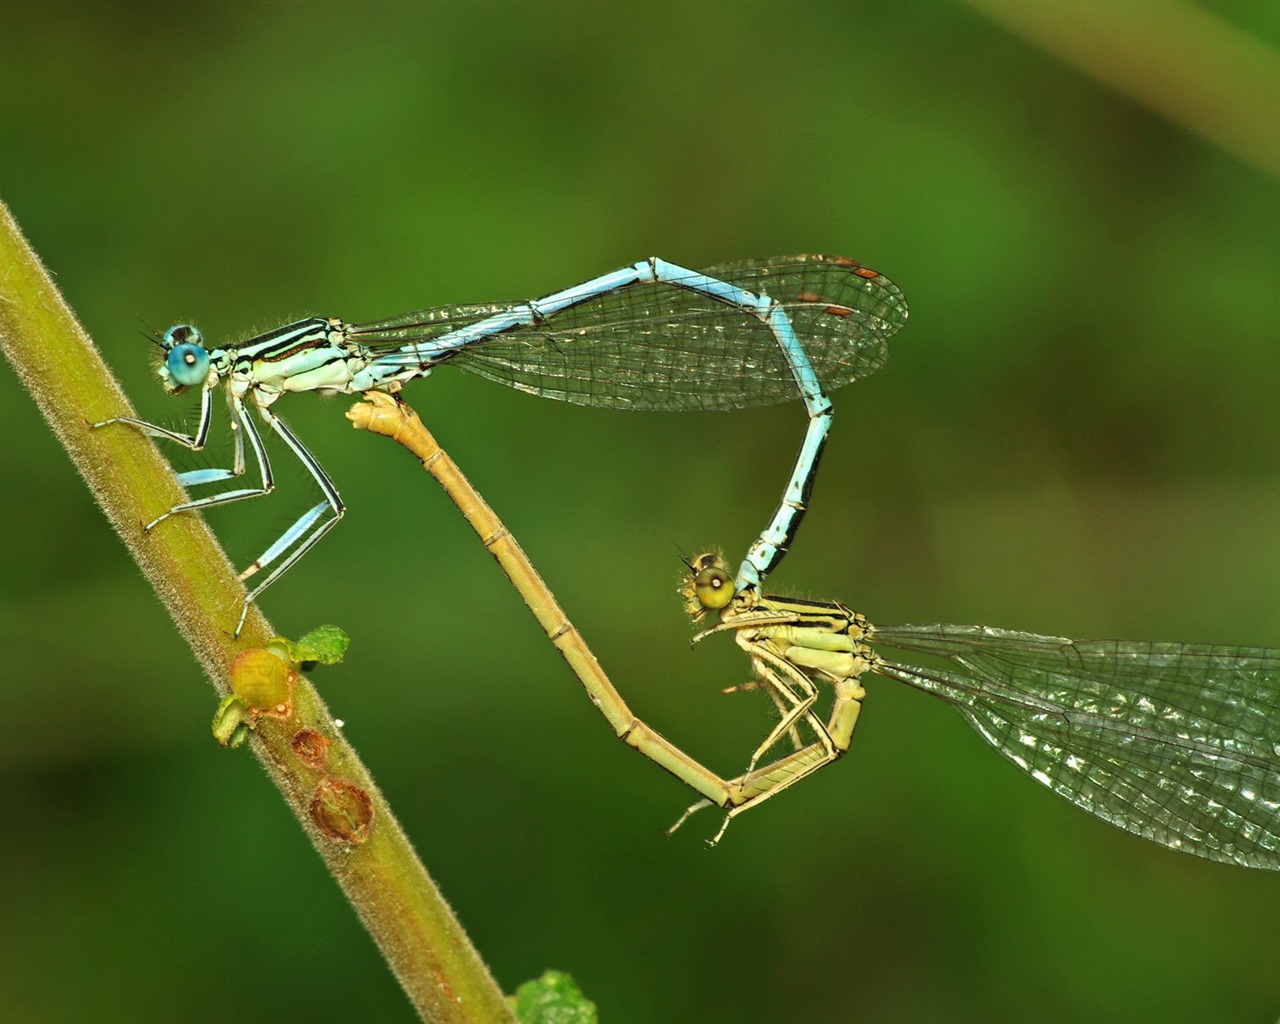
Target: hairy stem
pixel 375 864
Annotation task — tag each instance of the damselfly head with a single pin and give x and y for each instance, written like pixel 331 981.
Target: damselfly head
pixel 186 360
pixel 708 586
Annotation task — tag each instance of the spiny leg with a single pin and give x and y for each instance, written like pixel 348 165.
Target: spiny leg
pixel 197 477
pixel 241 428
pixel 689 811
pixel 196 442
pixel 821 751
pixel 794 706
pixel 305 531
pixel 747 791
pixel 787 771
pixel 299 538
pixel 192 441
pixel 778 702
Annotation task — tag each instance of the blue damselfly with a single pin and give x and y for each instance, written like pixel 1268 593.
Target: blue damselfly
pixel 651 336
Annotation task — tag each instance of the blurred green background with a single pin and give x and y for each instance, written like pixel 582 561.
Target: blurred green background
pixel 1076 434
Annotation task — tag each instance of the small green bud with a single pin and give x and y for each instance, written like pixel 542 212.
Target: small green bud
pixel 231 723
pixel 553 999
pixel 324 645
pixel 263 681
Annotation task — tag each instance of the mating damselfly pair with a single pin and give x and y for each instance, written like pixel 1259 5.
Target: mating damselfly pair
pixel 1175 742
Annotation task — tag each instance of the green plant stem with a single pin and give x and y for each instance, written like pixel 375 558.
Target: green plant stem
pixel 420 938
pixel 1184 62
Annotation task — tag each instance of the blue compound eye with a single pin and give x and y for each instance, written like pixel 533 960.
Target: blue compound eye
pixel 187 361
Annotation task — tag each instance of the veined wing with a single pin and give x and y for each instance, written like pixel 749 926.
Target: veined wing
pixel 1178 743
pixel 659 346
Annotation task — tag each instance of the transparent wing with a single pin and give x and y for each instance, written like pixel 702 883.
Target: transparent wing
pixel 663 347
pixel 1177 743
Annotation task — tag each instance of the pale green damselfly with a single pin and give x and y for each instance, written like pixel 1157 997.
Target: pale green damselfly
pixel 1178 743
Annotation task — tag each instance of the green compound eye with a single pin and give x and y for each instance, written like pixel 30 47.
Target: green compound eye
pixel 713 587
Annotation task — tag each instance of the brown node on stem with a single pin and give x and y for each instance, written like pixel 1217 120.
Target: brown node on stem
pixel 342 811
pixel 312 748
